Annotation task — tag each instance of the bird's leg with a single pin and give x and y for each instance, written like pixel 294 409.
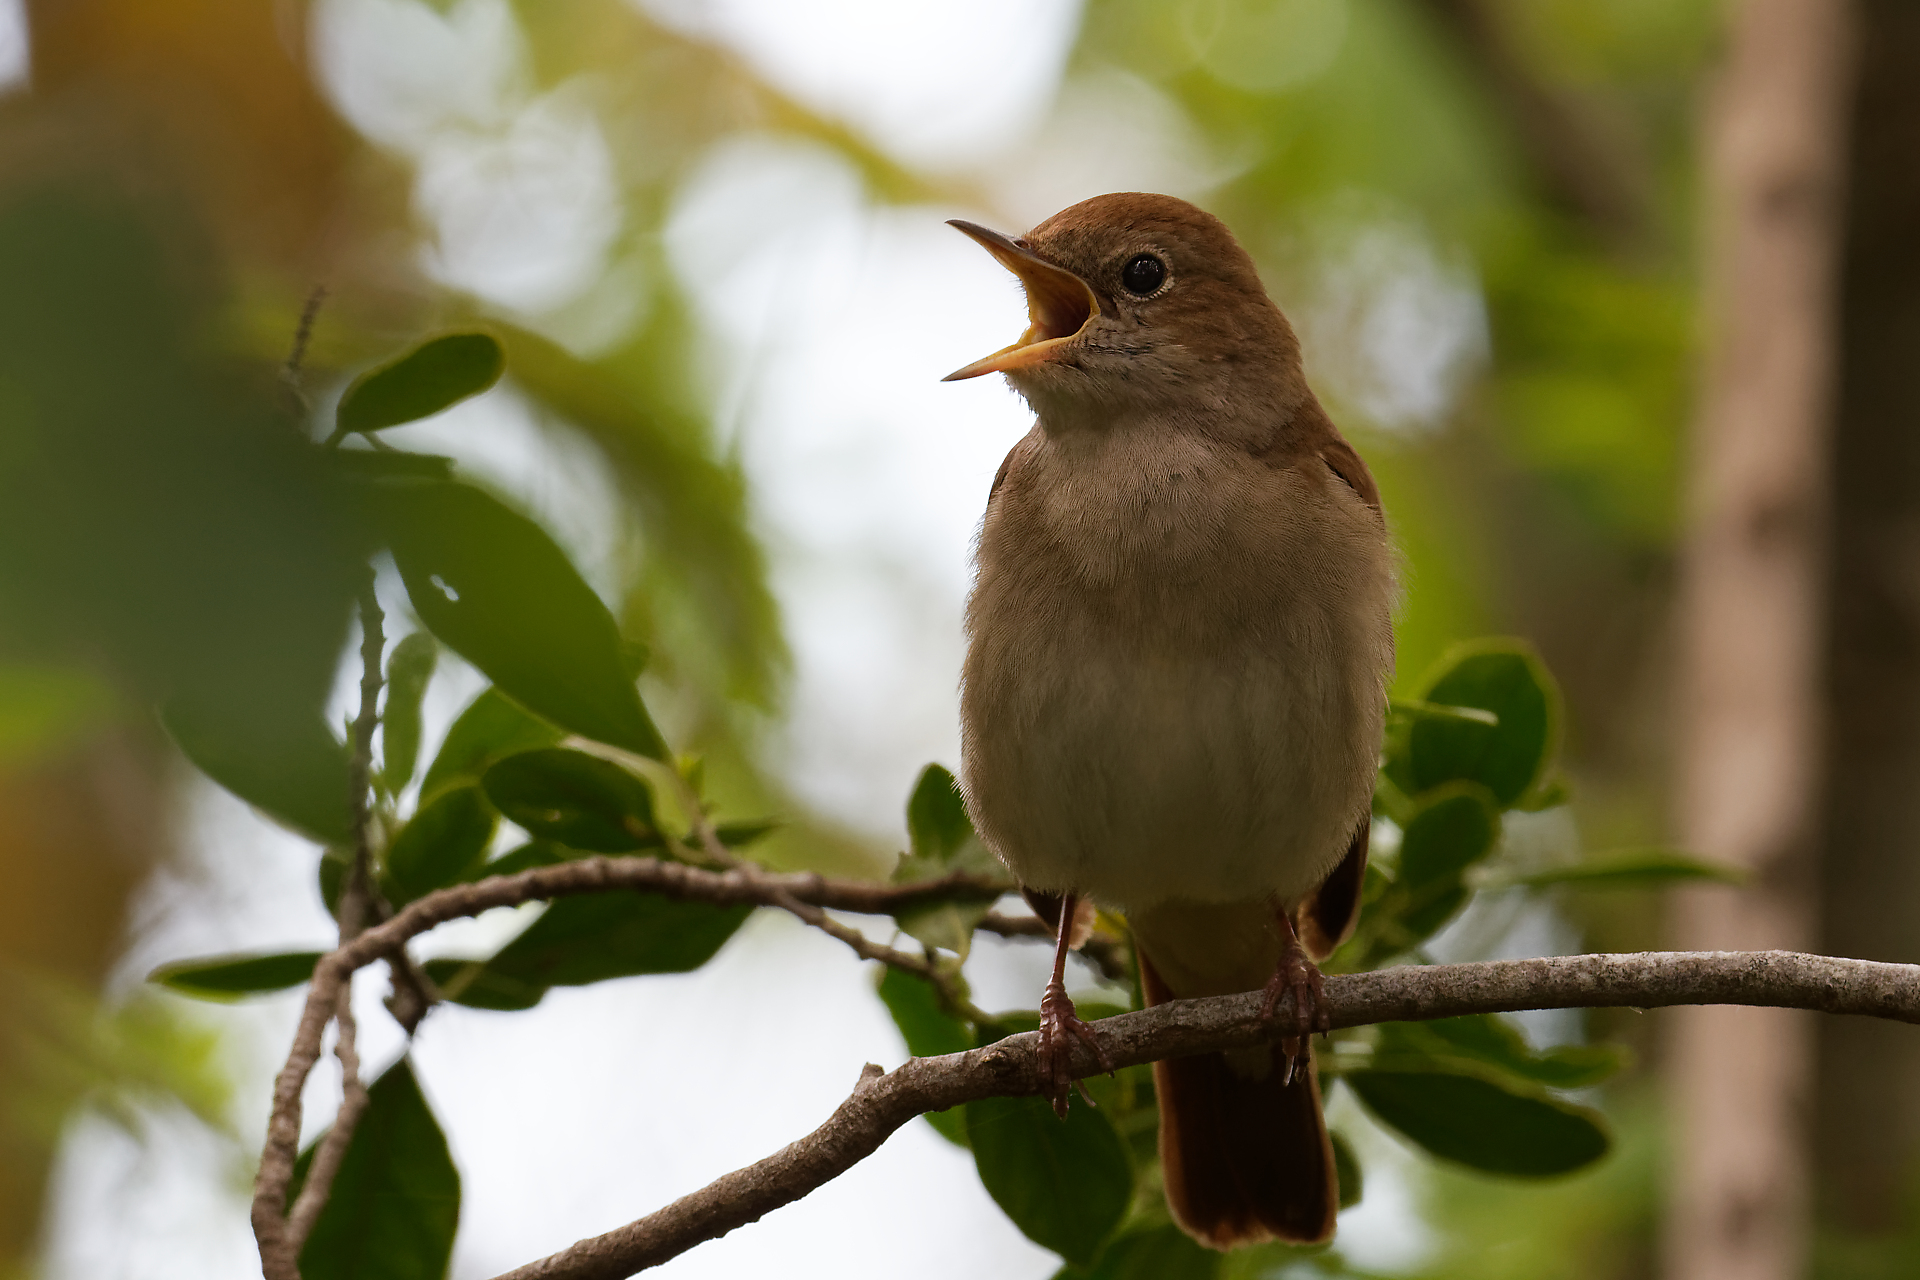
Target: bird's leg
pixel 1296 975
pixel 1058 1021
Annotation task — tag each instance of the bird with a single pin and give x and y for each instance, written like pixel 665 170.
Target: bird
pixel 1179 639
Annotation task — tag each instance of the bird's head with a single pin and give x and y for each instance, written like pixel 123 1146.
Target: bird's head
pixel 1140 302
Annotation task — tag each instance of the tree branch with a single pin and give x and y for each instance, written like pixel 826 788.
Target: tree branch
pixel 884 1101
pixel 333 1148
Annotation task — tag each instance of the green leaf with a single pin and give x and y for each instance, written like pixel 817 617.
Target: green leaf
pixel 944 844
pixel 1453 828
pixel 616 935
pixel 1509 758
pixel 574 798
pixel 230 977
pixel 930 1032
pixel 435 375
pixel 1472 1120
pixel 295 773
pixel 492 585
pixel 493 726
pixel 335 864
pixel 1450 829
pixel 409 668
pixel 535 853
pixel 1346 1167
pixel 1630 869
pixel 390 464
pixel 446 838
pixel 471 983
pixel 1490 1040
pixel 1414 709
pixel 1065 1184
pixel 738 835
pixel 395 1202
pixel 937 821
pixel 1164 1252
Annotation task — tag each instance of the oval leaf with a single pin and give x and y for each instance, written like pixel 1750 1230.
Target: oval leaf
pixel 1510 757
pixel 435 375
pixel 1346 1169
pixel 535 853
pixel 1065 1184
pixel 446 838
pixel 577 799
pixel 492 585
pixel 930 1032
pixel 616 935
pixel 493 726
pixel 395 1202
pixel 1476 1122
pixel 1451 830
pixel 409 668
pixel 295 772
pixel 230 977
pixel 379 464
pixel 1157 1253
pixel 470 983
pixel 1632 869
pixel 937 821
pixel 1491 1040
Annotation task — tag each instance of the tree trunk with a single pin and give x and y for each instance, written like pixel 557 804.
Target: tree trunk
pixel 1751 626
pixel 1867 1114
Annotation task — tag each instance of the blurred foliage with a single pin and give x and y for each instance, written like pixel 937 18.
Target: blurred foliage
pixel 177 181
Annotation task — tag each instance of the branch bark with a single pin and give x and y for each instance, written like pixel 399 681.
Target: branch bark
pixel 882 1102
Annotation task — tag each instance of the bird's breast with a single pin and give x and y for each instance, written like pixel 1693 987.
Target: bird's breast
pixel 1175 675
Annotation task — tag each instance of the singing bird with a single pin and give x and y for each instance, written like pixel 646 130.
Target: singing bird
pixel 1179 638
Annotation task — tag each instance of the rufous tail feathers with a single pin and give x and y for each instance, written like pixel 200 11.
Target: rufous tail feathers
pixel 1246 1158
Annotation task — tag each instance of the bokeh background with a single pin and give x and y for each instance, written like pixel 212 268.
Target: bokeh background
pixel 711 232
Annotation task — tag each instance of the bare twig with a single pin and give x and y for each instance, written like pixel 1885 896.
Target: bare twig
pixel 881 1103
pixel 373 643
pixel 296 356
pixel 333 1148
pixel 357 901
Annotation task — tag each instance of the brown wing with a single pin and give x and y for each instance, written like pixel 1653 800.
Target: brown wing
pixel 1328 914
pixel 1340 458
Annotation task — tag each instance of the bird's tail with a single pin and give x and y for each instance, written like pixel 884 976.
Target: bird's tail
pixel 1245 1154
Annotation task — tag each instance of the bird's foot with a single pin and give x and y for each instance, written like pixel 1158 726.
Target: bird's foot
pixel 1297 976
pixel 1058 1022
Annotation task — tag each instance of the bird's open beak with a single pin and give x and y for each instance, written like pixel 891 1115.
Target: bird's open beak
pixel 1059 305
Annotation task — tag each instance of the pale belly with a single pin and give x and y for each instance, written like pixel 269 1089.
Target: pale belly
pixel 1220 769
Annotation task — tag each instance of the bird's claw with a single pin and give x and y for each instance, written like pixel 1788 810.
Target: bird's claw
pixel 1058 1021
pixel 1297 976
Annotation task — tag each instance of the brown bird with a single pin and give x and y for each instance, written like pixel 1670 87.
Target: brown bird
pixel 1179 638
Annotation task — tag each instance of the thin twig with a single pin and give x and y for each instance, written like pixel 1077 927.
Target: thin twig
pixel 296 356
pixel 333 1147
pixel 356 904
pixel 373 643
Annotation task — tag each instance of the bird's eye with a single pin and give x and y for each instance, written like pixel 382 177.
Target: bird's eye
pixel 1143 274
